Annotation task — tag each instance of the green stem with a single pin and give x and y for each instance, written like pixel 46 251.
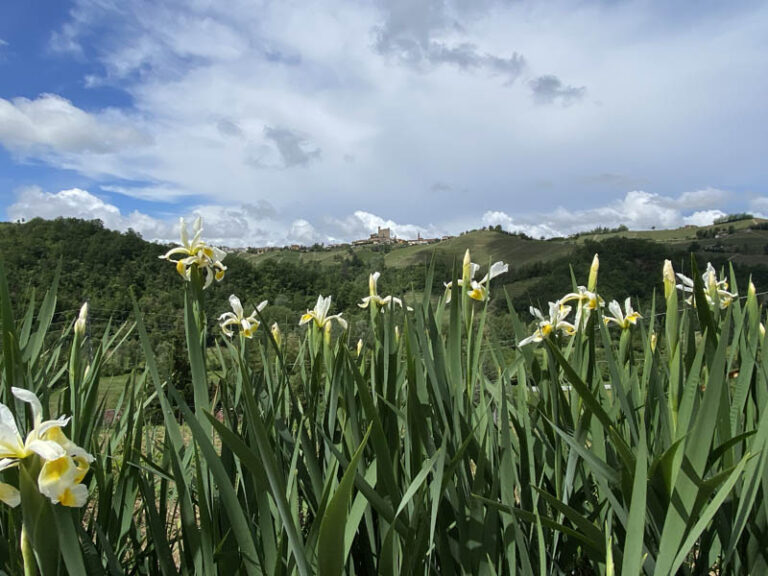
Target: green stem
pixel 30 568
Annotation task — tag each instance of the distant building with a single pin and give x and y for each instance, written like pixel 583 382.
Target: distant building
pixel 381 236
pixel 385 236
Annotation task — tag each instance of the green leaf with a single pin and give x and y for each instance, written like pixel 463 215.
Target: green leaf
pixel 632 562
pixel 330 554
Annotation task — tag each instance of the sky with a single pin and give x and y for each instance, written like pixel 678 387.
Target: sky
pixel 318 121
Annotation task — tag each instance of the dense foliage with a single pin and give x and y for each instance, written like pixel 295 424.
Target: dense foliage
pixel 430 447
pixel 107 269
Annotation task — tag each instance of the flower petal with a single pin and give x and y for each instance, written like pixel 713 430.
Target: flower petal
pixel 30 398
pixel 237 307
pixel 9 495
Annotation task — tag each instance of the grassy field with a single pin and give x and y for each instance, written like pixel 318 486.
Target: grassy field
pixel 569 446
pixel 735 238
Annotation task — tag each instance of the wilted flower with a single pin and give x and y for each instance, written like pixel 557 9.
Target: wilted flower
pixel 622 319
pixel 373 297
pixel 320 314
pixel 197 253
pixel 714 290
pixel 547 326
pixel 237 318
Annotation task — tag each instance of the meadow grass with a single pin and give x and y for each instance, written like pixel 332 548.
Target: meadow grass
pixel 430 449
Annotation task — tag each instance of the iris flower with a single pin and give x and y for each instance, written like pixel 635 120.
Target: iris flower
pixel 320 315
pixel 622 319
pixel 374 299
pixel 65 464
pixel 587 302
pixel 480 289
pixel 558 312
pixel 197 253
pixel 237 318
pixel 11 444
pixel 714 290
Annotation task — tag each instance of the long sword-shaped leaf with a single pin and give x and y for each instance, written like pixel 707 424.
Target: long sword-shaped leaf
pixel 330 554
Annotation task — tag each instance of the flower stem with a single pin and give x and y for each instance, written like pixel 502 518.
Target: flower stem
pixel 30 569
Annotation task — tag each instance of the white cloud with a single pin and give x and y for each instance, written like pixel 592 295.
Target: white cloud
pixel 51 125
pixel 151 193
pixel 638 210
pixel 249 101
pixel 252 224
pixel 260 224
pixel 33 202
pixel 703 217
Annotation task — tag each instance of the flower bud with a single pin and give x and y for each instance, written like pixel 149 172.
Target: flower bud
pixel 653 341
pixel 359 346
pixel 592 282
pixel 669 279
pixel 81 320
pixel 276 334
pixel 466 269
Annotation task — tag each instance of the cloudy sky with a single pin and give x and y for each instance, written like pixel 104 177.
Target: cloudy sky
pixel 319 120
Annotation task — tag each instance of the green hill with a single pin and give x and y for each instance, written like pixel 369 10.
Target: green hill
pixel 105 267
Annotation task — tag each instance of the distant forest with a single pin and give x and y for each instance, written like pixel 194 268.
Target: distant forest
pixel 104 268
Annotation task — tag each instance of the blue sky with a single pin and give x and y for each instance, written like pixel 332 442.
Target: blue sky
pixel 284 122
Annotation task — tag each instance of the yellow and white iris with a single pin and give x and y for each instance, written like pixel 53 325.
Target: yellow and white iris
pixel 480 289
pixel 373 298
pixel 714 290
pixel 60 479
pixel 197 253
pixel 237 318
pixel 587 302
pixel 320 315
pixel 65 464
pixel 547 326
pixel 623 319
pixel 11 444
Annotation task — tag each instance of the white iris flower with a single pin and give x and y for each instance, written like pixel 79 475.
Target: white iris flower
pixel 65 464
pixel 373 299
pixel 320 314
pixel 480 289
pixel 623 319
pixel 558 312
pixel 714 290
pixel 197 253
pixel 237 318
